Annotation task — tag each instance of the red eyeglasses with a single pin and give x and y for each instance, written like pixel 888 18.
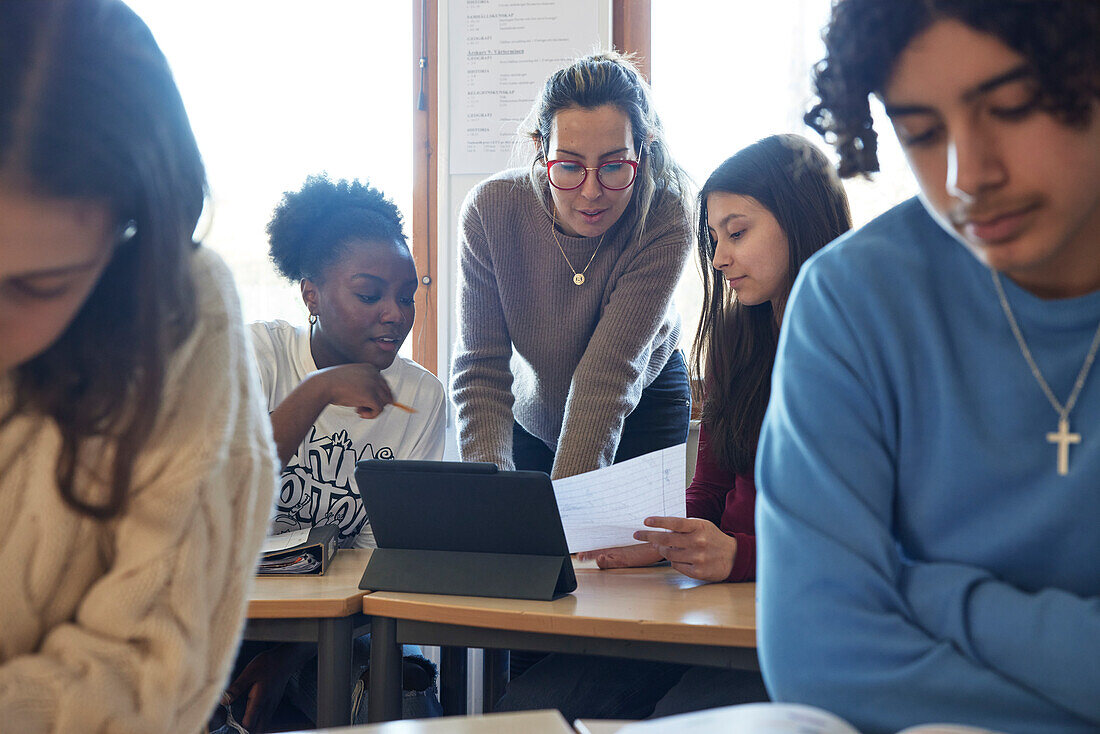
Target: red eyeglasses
pixel 612 175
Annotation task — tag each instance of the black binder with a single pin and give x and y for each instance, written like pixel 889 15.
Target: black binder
pixel 310 557
pixel 463 528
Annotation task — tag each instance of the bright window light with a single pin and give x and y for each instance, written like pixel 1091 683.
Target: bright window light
pixel 726 73
pixel 281 89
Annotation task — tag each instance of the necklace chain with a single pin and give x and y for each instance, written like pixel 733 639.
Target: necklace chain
pixel 578 278
pixel 1063 411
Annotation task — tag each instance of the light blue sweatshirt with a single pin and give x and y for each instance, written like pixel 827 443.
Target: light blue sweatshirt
pixel 920 558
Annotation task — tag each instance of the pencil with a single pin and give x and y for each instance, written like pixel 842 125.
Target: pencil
pixel 402 406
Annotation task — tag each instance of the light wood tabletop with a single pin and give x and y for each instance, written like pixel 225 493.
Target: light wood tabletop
pixel 599 726
pixel 326 610
pixel 527 722
pixel 336 594
pixel 654 604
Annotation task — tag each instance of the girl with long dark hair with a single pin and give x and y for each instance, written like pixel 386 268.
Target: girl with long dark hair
pixel 762 214
pixel 138 464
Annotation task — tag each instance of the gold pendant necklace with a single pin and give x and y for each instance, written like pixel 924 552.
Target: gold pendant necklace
pixel 1062 436
pixel 578 278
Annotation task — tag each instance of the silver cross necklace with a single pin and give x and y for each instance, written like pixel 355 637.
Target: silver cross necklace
pixel 1062 436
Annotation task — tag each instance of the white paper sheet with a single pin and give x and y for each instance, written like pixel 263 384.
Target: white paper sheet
pixel 501 52
pixel 753 718
pixel 282 541
pixel 603 508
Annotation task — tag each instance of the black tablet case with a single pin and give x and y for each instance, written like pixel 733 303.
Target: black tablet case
pixel 463 528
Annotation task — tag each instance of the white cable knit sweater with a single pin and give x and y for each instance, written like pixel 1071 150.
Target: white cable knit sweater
pixel 130 625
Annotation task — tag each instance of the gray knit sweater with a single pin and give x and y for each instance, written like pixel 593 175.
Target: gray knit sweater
pixel 568 362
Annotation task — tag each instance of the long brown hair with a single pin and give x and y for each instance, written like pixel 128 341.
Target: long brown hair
pixel 735 344
pixel 89 110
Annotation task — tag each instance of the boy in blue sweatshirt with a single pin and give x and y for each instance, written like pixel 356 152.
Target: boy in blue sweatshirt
pixel 929 467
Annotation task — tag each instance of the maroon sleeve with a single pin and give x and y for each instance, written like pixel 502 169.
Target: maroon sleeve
pixel 706 495
pixel 739 522
pixel 708 498
pixel 744 563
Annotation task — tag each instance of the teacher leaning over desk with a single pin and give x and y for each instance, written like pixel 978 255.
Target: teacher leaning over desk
pixel 567 355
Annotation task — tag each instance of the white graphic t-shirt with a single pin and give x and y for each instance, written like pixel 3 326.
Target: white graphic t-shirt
pixel 318 483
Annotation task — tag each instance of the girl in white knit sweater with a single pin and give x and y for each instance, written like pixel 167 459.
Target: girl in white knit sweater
pixel 136 453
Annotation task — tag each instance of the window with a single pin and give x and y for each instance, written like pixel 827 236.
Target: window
pixel 728 73
pixel 279 90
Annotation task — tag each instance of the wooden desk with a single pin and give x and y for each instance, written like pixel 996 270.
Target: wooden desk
pixel 327 610
pixel 599 726
pixel 647 613
pixel 528 722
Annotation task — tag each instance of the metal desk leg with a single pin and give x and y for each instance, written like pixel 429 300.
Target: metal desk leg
pixel 494 677
pixel 335 638
pixel 384 703
pixel 452 680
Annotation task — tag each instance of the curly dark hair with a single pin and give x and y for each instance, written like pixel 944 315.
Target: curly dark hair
pixel 1059 39
pixel 311 227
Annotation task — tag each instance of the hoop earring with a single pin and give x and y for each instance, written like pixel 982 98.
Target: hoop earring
pixel 312 319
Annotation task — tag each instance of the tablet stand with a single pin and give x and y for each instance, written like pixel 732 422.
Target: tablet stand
pixel 504 575
pixel 464 528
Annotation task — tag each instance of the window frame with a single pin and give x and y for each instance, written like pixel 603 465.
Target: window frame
pixel 425 202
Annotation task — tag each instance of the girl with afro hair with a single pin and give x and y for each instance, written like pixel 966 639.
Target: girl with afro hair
pixel 338 392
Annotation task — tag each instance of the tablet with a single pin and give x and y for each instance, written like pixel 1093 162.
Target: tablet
pixel 449 526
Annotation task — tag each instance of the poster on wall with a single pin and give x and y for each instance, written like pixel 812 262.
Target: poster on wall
pixel 501 53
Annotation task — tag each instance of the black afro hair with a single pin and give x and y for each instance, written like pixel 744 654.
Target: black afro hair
pixel 311 226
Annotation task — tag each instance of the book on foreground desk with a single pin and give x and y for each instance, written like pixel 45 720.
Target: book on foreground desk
pixel 771 718
pixel 305 551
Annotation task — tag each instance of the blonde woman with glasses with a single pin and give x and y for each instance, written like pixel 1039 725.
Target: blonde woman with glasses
pixel 567 354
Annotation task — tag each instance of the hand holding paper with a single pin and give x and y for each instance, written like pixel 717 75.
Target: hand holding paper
pixel 694 546
pixel 603 508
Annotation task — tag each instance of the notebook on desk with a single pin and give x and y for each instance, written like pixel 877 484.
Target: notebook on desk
pixel 463 528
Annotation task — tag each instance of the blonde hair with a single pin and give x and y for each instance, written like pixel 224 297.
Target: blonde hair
pixel 609 78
